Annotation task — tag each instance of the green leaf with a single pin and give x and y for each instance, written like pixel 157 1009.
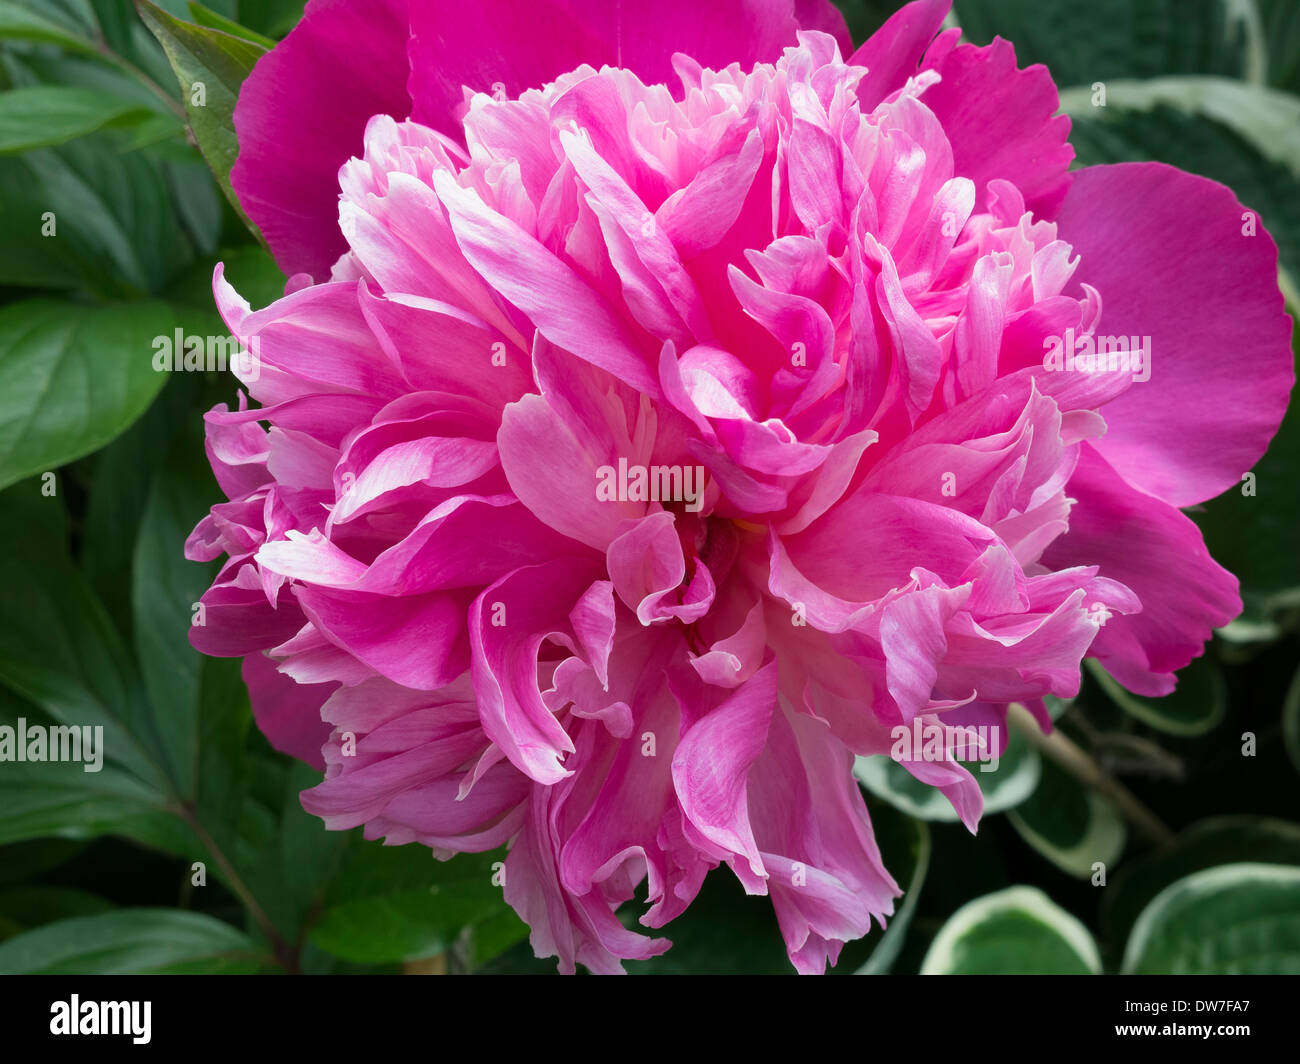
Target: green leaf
pixel 406 905
pixel 205 16
pixel 97 73
pixel 58 649
pixel 887 946
pixel 1267 119
pixel 401 926
pixel 1057 707
pixel 19 23
pixel 1106 39
pixel 61 662
pixel 81 800
pixel 225 718
pixel 1070 825
pixel 85 216
pixel 164 588
pixel 63 801
pixel 274 18
pixel 125 34
pixel 724 932
pixel 1017 931
pixel 199 714
pixel 1238 919
pixel 251 271
pixel 1206 844
pixel 120 483
pixel 1005 787
pixel 44 115
pixel 71 379
pixel 1280 28
pixel 864 17
pixel 23 861
pixel 297 863
pixel 130 942
pixel 28 907
pixel 198 204
pixel 1195 706
pixel 493 935
pixel 1244 637
pixel 218 63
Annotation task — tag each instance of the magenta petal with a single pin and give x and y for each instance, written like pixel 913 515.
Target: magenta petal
pixel 434 815
pixel 1168 252
pixel 442 348
pixel 580 930
pixel 508 624
pixel 1133 536
pixel 301 114
pixel 552 466
pixel 712 763
pixel 826 18
pixel 1002 123
pixel 623 821
pixel 893 53
pixel 523 46
pixel 288 713
pixel 955 782
pixel 567 310
pixel 416 640
pixel 825 874
pixel 238 620
pixel 647 568
pixel 409 752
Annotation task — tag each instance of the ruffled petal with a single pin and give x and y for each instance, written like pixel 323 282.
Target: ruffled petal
pixel 1002 122
pixel 500 45
pixel 1148 545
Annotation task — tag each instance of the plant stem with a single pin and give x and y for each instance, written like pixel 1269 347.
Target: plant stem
pixel 1079 764
pixel 285 953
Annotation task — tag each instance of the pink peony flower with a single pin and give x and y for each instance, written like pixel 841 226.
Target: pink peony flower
pixel 668 404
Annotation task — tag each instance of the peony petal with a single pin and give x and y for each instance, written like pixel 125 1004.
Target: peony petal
pixel 1133 537
pixel 301 114
pixel 1002 123
pixel 826 876
pixel 508 623
pixel 564 307
pixel 1171 256
pixel 893 53
pixel 287 713
pixel 712 763
pixel 418 641
pixel 517 47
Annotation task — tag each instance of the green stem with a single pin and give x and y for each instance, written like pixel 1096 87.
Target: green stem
pixel 285 953
pixel 1079 764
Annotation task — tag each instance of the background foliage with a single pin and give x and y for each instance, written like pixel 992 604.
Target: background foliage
pixel 97 127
